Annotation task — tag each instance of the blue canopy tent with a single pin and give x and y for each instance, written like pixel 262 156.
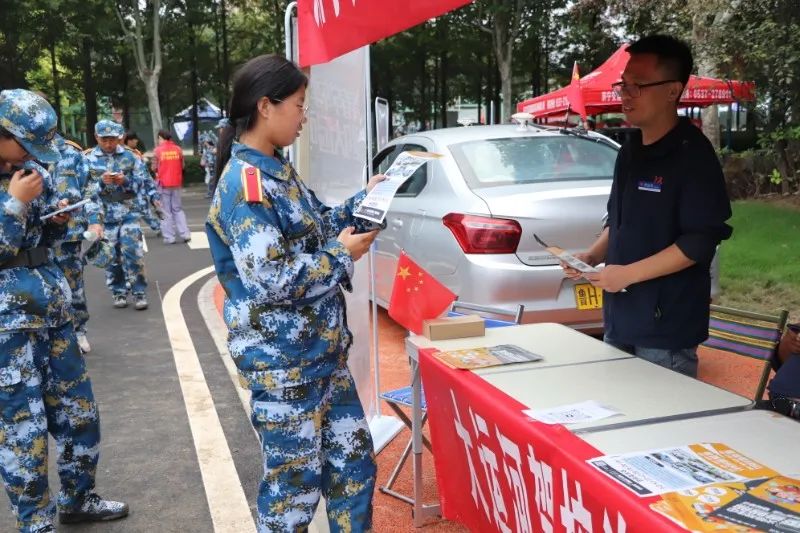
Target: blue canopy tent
pixel 207 113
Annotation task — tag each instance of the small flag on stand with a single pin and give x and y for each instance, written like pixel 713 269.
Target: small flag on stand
pixel 574 94
pixel 416 295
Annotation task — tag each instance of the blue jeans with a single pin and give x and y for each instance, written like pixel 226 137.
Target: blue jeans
pixel 683 360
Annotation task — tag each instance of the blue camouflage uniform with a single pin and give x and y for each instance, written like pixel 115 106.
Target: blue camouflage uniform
pixel 208 158
pixel 145 202
pixel 74 183
pixel 282 269
pixel 122 211
pixel 43 382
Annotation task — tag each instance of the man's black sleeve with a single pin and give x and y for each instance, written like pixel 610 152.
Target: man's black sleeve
pixel 704 207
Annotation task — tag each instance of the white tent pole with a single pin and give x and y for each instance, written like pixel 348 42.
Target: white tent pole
pixel 287 25
pixel 370 171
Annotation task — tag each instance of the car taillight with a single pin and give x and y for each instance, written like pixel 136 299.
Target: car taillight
pixel 484 235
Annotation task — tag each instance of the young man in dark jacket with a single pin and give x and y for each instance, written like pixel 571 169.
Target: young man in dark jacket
pixel 666 216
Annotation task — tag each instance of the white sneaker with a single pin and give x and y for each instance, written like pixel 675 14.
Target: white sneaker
pixel 83 343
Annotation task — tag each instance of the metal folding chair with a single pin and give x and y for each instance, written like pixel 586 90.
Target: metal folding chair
pixel 402 397
pixel 747 334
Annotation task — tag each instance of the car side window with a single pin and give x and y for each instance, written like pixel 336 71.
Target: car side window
pixel 384 160
pixel 414 185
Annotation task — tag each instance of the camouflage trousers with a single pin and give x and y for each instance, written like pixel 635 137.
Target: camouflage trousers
pixel 315 440
pixel 44 388
pixel 68 259
pixel 126 273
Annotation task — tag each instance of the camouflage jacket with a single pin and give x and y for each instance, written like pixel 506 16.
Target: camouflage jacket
pixel 73 182
pixel 30 298
pixel 135 186
pixel 281 266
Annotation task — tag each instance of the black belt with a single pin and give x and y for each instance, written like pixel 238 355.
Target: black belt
pixel 786 406
pixel 30 258
pixel 117 196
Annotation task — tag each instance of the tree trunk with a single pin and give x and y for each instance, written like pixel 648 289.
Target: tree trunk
pixel 126 99
pixel 89 94
pixel 151 89
pixel 225 72
pixel 480 98
pixel 195 95
pixel 56 90
pixel 218 61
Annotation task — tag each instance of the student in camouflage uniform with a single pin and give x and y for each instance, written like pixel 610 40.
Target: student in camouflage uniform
pixel 72 181
pixel 208 160
pixel 43 382
pixel 123 190
pixel 283 258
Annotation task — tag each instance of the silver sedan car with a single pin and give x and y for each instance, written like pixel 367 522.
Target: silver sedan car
pixel 469 218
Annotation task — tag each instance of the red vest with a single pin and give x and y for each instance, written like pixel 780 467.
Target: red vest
pixel 169 157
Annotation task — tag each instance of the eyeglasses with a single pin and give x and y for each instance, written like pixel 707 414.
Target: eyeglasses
pixel 303 107
pixel 634 90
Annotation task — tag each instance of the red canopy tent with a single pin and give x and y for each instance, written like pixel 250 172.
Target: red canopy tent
pixel 599 98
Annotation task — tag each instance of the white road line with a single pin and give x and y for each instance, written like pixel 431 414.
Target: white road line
pixel 219 332
pixel 230 512
pixel 199 241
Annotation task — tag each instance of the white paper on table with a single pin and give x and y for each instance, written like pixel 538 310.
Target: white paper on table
pixel 574 413
pixel 376 204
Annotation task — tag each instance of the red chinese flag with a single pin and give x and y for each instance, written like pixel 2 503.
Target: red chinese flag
pixel 416 295
pixel 574 94
pixel 328 29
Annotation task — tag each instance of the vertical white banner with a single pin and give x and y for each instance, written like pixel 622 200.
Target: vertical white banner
pixel 381 123
pixel 338 151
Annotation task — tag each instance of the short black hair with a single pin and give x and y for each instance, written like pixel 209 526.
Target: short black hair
pixel 130 134
pixel 5 134
pixel 164 134
pixel 673 54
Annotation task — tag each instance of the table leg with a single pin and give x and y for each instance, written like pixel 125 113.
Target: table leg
pixel 421 511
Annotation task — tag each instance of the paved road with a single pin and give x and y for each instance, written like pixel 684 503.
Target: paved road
pixel 149 455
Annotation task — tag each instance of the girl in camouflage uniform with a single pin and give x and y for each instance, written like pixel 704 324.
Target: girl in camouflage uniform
pixel 283 258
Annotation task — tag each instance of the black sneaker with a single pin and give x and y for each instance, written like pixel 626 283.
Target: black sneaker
pixel 94 509
pixel 120 301
pixel 47 529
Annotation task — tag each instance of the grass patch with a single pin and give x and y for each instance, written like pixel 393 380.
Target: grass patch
pixel 761 261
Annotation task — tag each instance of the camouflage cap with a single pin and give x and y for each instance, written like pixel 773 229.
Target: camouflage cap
pixel 99 254
pixel 108 128
pixel 223 123
pixel 32 121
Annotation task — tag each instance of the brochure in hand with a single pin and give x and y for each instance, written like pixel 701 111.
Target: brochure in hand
pixel 471 358
pixel 376 204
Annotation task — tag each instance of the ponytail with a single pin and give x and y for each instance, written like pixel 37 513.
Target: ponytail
pixel 270 75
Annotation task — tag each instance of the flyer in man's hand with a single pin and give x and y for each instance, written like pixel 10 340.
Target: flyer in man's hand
pixel 567 257
pixel 376 204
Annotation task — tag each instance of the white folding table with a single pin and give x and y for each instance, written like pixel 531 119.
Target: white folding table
pixel 763 436
pixel 558 344
pixel 642 391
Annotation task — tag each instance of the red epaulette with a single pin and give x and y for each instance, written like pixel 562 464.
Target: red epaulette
pixel 251 184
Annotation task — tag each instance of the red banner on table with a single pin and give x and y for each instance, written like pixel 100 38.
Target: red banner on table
pixel 498 470
pixel 330 28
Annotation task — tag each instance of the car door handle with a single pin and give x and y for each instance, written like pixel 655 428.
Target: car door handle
pixel 397 223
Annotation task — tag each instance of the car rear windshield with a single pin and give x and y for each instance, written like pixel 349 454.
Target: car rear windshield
pixel 515 160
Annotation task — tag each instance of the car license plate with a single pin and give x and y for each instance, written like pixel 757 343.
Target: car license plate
pixel 587 296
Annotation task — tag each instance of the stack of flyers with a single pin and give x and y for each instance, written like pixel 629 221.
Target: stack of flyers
pixel 654 472
pixel 761 501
